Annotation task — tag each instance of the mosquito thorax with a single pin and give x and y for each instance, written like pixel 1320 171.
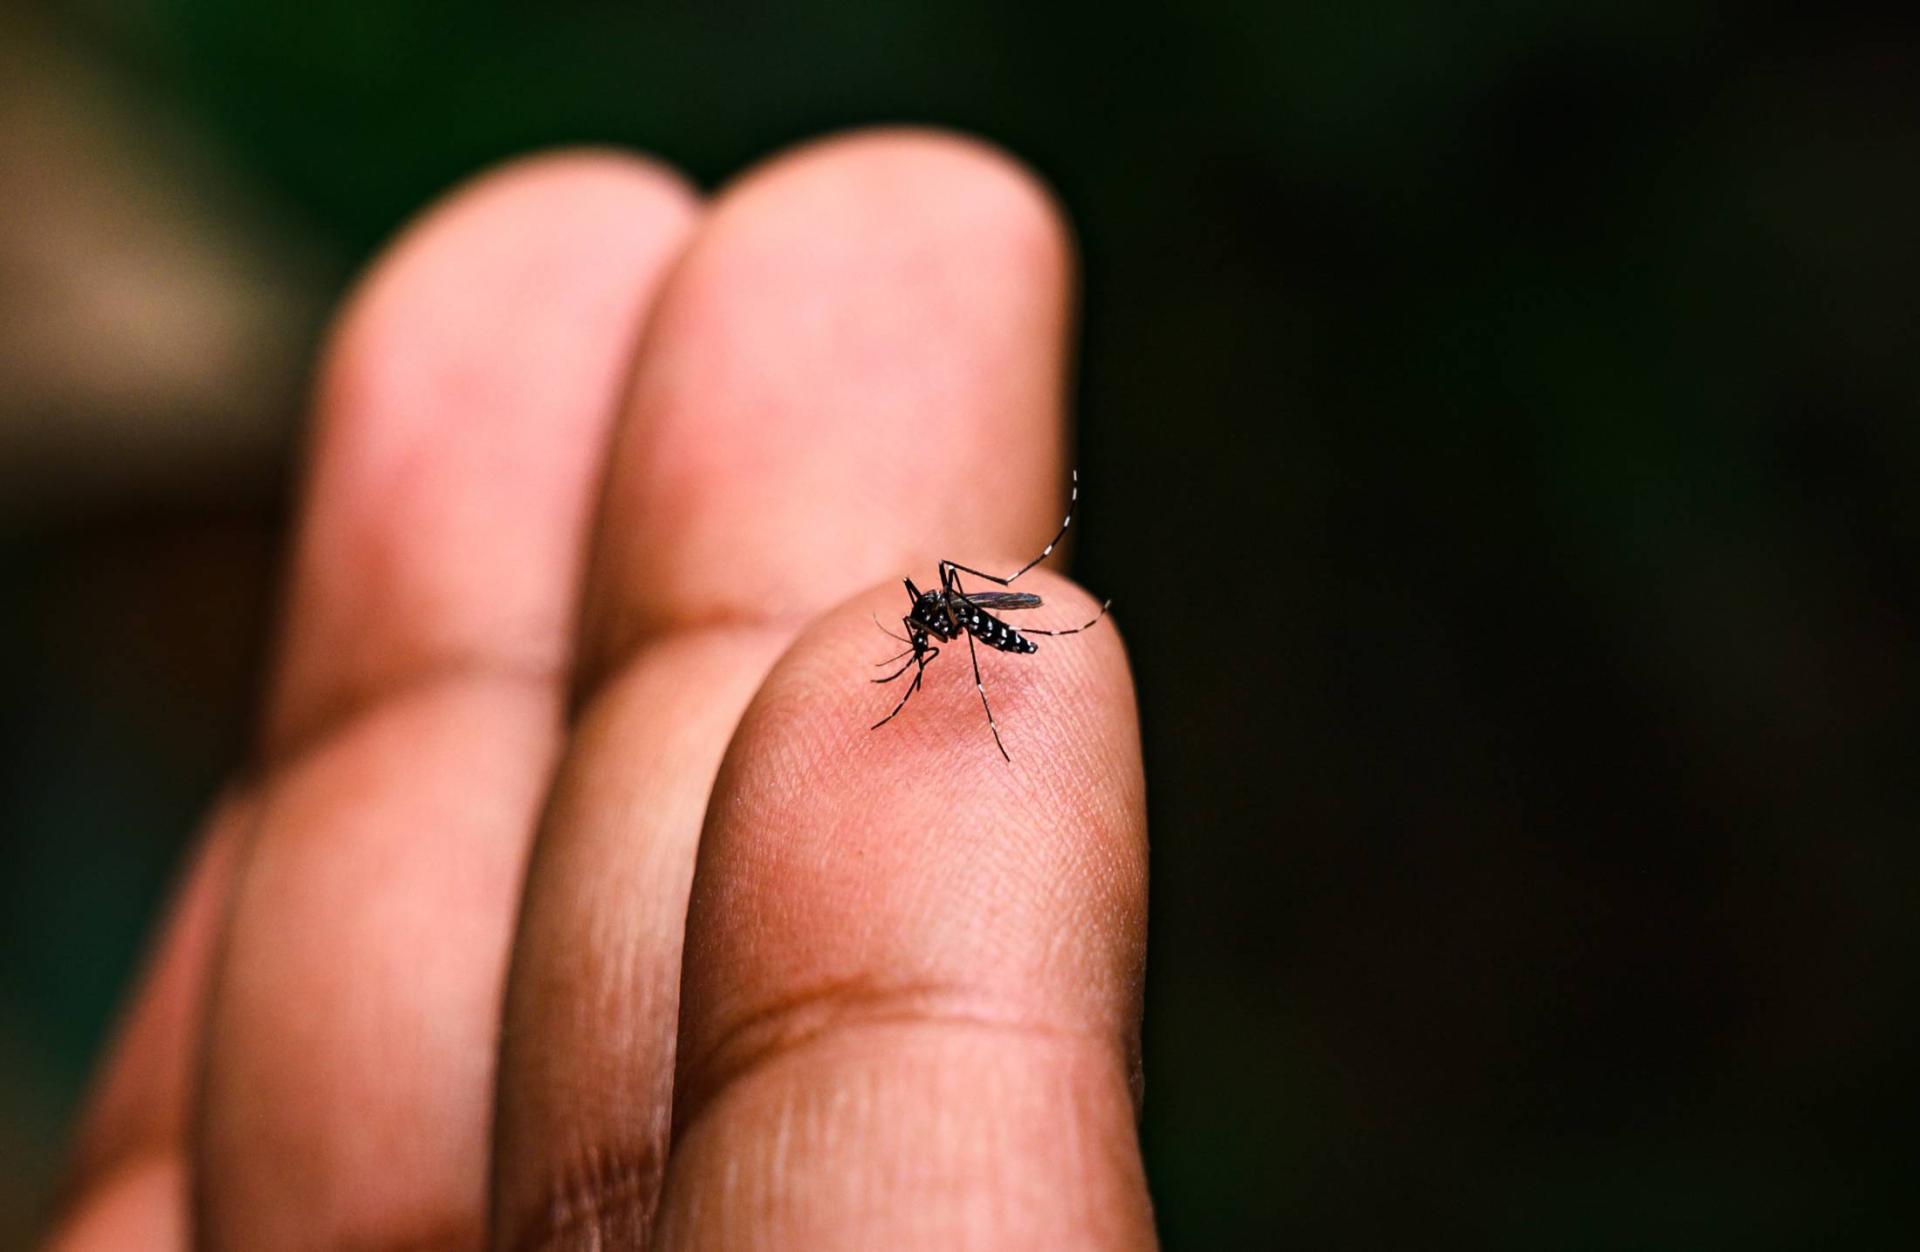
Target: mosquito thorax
pixel 930 611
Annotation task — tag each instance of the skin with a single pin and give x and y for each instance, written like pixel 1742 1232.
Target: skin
pixel 569 901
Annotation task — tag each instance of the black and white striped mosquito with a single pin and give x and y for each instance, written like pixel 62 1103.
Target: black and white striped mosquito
pixel 952 610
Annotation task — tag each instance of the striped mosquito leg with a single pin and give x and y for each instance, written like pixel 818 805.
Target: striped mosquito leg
pixel 948 568
pixel 1077 629
pixel 982 689
pixel 911 688
pixel 890 660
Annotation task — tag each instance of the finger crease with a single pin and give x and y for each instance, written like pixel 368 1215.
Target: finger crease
pixel 448 675
pixel 835 1009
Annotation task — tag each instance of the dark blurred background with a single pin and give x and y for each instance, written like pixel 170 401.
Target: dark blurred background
pixel 1498 425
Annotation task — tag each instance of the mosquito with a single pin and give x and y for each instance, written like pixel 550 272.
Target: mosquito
pixel 951 611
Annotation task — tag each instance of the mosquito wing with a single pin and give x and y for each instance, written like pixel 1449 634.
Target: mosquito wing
pixel 1003 601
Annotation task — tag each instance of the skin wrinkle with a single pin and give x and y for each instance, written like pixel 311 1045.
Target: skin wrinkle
pixel 585 1195
pixel 603 1198
pixel 977 1108
pixel 794 1022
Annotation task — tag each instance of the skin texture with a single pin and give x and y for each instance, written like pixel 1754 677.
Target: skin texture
pixel 570 901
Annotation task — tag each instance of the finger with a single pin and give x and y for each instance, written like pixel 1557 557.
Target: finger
pixel 139 1204
pixel 912 981
pixel 141 1100
pixel 860 331
pixel 462 416
pixel 462 420
pixel 129 1159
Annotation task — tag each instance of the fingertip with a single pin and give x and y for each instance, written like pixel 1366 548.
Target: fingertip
pixel 861 330
pixel 914 853
pixel 981 194
pixel 461 411
pixel 563 212
pixel 911 985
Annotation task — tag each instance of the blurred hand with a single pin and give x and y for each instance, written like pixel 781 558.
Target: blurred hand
pixel 570 902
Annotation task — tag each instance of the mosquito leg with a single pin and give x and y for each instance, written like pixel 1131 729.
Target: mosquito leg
pixel 981 688
pixel 1077 629
pixel 912 687
pixel 917 645
pixel 950 583
pixel 948 568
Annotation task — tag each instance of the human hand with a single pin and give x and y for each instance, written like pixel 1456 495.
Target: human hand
pixel 570 897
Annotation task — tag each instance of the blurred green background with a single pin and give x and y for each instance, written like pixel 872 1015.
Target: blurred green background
pixel 1498 427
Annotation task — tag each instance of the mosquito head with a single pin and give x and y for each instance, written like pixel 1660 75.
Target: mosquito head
pixel 929 614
